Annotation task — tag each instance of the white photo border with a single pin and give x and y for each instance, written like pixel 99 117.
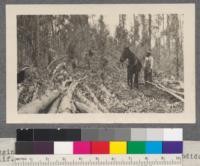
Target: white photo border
pixel 189 113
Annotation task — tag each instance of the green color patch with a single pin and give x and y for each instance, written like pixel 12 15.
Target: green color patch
pixel 136 147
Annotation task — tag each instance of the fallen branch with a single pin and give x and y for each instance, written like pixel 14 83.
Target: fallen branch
pixel 163 89
pixel 96 101
pixel 105 90
pixel 88 106
pixel 66 104
pixel 173 91
pixel 39 104
pixel 54 61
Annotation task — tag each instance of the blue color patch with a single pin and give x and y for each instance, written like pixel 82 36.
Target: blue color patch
pixel 154 147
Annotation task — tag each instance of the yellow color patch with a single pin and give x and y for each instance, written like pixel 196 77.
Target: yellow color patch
pixel 118 147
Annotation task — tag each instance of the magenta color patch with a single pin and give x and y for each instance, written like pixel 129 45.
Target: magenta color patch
pixel 82 147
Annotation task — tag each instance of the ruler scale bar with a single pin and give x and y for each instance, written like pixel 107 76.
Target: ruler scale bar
pixel 95 160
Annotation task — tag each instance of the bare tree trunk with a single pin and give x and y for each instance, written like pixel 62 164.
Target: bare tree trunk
pixel 177 40
pixel 37 53
pixel 142 16
pixel 163 30
pixel 168 37
pixel 52 53
pixel 122 20
pixel 159 48
pixel 149 31
pixel 158 41
pixel 177 58
pixel 134 20
pixel 53 33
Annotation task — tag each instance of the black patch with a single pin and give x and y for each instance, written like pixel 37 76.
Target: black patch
pixel 57 135
pixel 25 135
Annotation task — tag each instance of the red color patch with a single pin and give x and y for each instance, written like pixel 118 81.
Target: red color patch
pixel 100 147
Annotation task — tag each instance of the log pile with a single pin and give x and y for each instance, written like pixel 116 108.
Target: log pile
pixel 69 99
pixel 82 91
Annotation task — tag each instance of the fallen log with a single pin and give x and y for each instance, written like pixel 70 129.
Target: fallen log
pixel 173 91
pixel 92 107
pixel 105 90
pixel 83 108
pixel 165 90
pixel 39 104
pixel 96 101
pixel 66 104
pixel 54 107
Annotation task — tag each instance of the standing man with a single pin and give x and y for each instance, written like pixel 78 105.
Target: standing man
pixel 148 66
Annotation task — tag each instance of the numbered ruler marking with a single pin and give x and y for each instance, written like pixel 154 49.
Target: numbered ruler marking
pixel 98 160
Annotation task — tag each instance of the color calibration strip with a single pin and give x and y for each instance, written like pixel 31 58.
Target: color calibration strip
pixel 100 147
pixel 99 141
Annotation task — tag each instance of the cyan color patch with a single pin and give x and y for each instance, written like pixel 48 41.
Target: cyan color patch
pixel 154 147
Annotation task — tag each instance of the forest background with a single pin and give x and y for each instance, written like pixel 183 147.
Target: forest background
pixel 92 45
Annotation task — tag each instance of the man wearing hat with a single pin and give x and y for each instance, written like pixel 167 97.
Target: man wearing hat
pixel 148 66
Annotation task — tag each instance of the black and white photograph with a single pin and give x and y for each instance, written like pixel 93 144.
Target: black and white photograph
pixel 122 63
